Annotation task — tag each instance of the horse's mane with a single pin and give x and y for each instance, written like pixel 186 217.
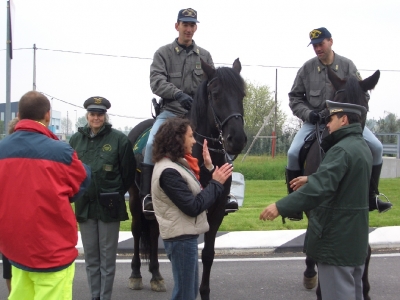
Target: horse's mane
pixel 229 80
pixel 353 93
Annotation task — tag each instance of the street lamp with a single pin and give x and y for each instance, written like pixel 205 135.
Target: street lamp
pixel 76 119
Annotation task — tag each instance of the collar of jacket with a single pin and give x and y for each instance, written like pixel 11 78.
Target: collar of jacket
pixel 33 126
pixel 179 49
pixel 336 136
pixel 85 130
pixel 334 66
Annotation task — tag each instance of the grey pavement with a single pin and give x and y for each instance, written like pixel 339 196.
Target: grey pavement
pixel 243 242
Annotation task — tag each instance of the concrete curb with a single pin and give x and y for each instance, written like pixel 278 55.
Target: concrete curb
pixel 247 242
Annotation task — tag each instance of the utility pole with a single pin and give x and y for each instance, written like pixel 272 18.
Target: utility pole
pixel 34 67
pixel 275 117
pixel 67 125
pixel 7 115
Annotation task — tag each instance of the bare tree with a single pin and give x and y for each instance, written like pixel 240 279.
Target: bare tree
pixel 66 126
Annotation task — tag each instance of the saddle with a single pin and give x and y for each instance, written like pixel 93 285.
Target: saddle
pixel 308 142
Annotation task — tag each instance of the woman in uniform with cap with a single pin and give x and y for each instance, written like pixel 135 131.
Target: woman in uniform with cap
pixel 99 211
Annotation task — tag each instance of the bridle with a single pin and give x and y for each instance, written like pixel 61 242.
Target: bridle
pixel 229 158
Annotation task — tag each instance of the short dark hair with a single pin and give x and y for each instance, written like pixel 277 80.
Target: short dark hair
pixel 33 106
pixel 352 117
pixel 170 139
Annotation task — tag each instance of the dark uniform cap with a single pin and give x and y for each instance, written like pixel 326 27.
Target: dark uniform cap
pixel 337 107
pixel 97 104
pixel 318 35
pixel 188 15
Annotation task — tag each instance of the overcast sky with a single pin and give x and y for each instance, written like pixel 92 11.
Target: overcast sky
pixel 273 34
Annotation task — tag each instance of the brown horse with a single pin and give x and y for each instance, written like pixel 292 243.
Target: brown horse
pixel 348 90
pixel 216 115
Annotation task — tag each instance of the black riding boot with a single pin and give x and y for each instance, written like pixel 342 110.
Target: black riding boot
pixel 374 201
pixel 231 204
pixel 145 187
pixel 290 175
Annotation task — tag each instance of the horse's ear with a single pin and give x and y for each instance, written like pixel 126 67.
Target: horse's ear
pixel 336 81
pixel 370 82
pixel 237 65
pixel 207 69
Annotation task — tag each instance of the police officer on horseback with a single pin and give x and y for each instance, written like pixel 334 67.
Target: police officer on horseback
pixel 307 97
pixel 174 76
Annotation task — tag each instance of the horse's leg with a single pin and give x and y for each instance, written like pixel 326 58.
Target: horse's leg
pixel 366 286
pixel 135 280
pixel 207 255
pixel 310 275
pixel 157 281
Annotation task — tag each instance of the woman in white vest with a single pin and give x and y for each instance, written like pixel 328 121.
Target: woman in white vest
pixel 180 202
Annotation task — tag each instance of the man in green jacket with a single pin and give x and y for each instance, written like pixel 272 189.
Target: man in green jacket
pixel 337 194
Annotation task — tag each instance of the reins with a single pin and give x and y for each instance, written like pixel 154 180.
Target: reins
pixel 219 125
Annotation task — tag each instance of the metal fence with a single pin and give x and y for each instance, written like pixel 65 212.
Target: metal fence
pixel 390 143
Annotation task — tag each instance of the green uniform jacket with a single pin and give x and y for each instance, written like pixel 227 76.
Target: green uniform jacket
pixel 174 70
pixel 337 194
pixel 109 154
pixel 312 86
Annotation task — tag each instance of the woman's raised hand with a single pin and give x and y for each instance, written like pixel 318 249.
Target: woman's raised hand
pixel 206 156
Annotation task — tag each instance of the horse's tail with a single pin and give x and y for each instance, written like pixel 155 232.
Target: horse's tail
pixel 145 238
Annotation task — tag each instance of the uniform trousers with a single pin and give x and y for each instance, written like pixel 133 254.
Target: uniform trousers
pixel 100 243
pixel 161 118
pixel 293 154
pixel 340 282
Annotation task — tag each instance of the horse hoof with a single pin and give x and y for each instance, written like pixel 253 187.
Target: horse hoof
pixel 158 285
pixel 310 283
pixel 135 283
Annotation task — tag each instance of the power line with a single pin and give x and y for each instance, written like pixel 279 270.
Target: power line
pixel 147 58
pixel 79 106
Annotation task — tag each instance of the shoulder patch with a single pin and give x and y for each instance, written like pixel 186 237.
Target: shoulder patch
pixel 358 75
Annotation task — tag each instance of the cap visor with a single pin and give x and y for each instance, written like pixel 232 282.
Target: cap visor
pixel 189 20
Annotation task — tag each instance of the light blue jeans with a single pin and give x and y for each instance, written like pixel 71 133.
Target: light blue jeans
pixel 293 154
pixel 183 255
pixel 161 118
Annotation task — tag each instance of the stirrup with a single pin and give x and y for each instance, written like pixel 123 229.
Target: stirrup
pixel 234 208
pixel 387 202
pixel 149 208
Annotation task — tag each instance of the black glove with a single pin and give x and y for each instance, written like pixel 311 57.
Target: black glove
pixel 184 100
pixel 322 115
pixel 314 117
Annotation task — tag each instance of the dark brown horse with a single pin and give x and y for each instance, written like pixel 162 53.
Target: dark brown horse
pixel 348 90
pixel 216 115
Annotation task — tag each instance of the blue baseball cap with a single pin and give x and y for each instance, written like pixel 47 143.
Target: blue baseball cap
pixel 188 15
pixel 318 35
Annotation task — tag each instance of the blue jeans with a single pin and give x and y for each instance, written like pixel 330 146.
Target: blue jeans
pixel 161 118
pixel 293 154
pixel 183 255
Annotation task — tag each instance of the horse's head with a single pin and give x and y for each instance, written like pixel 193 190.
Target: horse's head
pixel 352 90
pixel 218 107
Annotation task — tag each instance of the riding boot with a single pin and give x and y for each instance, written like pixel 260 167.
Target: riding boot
pixel 231 204
pixel 290 175
pixel 374 201
pixel 145 187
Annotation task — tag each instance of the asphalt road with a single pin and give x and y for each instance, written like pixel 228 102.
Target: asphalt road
pixel 273 276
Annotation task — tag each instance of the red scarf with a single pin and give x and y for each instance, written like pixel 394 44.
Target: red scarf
pixel 193 164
